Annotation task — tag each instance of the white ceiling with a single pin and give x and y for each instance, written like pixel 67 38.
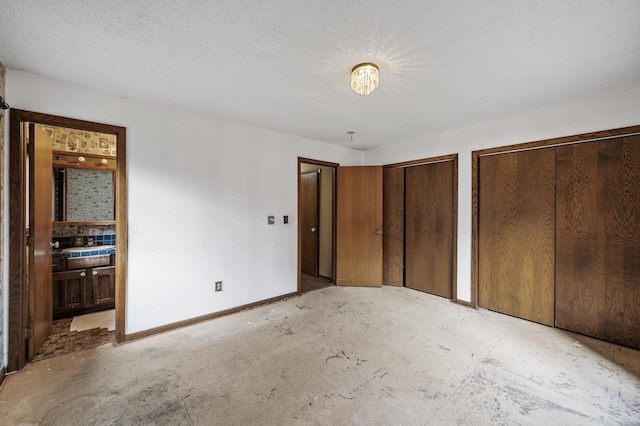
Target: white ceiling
pixel 284 65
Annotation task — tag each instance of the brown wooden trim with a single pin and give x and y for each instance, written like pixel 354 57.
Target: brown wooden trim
pixel 173 326
pixel 420 162
pixel 17 241
pixel 17 220
pixel 3 374
pixel 463 303
pixel 317 162
pixel 474 229
pixel 299 178
pixel 439 159
pixel 454 272
pixel 475 157
pixel 584 137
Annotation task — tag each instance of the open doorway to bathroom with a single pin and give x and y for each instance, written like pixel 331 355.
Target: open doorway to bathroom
pixel 316 224
pixel 67 235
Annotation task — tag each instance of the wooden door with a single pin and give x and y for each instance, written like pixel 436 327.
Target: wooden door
pixel 393 235
pixel 598 239
pixel 40 232
pixel 359 226
pixel 309 195
pixel 517 234
pixel 429 228
pixel 104 285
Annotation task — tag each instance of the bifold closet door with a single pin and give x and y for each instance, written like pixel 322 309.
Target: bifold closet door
pixel 598 239
pixel 393 226
pixel 429 228
pixel 517 234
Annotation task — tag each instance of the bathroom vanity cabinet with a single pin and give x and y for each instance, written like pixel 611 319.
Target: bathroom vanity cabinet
pixel 83 285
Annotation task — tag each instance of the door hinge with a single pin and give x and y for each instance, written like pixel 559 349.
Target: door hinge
pixel 29 240
pixel 28 333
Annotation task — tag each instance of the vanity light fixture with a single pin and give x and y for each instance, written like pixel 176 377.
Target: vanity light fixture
pixel 365 78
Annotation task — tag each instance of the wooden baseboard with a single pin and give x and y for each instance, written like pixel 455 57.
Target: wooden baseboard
pixel 173 326
pixel 463 303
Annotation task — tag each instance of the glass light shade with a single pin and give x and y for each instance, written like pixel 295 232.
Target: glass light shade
pixel 365 78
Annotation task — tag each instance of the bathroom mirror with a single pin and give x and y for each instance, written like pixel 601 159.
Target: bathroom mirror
pixel 83 195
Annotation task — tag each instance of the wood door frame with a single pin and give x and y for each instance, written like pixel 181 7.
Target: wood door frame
pixel 441 159
pixel 17 270
pixel 333 217
pixel 475 174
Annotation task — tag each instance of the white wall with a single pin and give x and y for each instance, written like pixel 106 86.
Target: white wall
pixel 199 193
pixel 606 112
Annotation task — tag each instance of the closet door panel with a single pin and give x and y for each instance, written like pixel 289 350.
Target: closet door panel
pixel 517 234
pixel 429 228
pixel 580 241
pixel 393 227
pixel 620 161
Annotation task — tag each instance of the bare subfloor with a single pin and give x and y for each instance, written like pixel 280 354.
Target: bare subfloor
pixel 338 356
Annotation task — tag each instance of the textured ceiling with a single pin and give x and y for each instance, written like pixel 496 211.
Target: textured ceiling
pixel 284 65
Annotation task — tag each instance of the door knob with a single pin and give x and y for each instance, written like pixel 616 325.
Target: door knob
pixel 54 245
pixel 95 272
pixel 83 274
pixel 313 229
pixel 378 232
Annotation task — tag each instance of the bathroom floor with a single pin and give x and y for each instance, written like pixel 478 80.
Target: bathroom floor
pixel 63 341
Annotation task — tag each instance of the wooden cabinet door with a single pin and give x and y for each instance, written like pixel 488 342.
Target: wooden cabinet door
pixel 359 226
pixel 429 228
pixel 104 288
pixel 70 289
pixel 517 234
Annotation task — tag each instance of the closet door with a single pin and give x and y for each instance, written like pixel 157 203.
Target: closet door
pixel 621 165
pixel 393 227
pixel 598 239
pixel 429 228
pixel 580 240
pixel 517 234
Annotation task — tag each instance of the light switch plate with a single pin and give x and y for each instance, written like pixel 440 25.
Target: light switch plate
pixel 271 220
pixel 286 219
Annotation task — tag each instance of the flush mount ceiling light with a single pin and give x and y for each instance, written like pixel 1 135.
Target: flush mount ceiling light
pixel 365 78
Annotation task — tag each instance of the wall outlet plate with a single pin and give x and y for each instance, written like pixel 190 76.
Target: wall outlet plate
pixel 218 285
pixel 271 220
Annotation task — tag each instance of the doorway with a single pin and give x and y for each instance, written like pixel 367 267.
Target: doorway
pixel 31 242
pixel 316 224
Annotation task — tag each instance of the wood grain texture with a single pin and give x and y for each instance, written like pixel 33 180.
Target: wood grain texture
pixel 517 235
pixel 40 220
pixel 429 228
pixel 393 235
pixel 359 226
pixel 580 241
pixel 619 161
pixel 310 217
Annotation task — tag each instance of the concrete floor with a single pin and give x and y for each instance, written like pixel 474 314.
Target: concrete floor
pixel 338 356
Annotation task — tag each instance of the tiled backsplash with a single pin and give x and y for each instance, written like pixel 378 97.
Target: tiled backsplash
pixel 101 235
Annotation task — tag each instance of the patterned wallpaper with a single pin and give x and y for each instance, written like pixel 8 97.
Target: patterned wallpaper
pixel 89 195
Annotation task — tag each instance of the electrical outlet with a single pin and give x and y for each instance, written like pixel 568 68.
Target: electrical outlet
pixel 218 285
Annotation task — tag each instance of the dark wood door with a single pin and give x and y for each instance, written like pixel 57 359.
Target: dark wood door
pixel 359 226
pixel 393 235
pixel 598 239
pixel 517 234
pixel 40 231
pixel 310 220
pixel 429 228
